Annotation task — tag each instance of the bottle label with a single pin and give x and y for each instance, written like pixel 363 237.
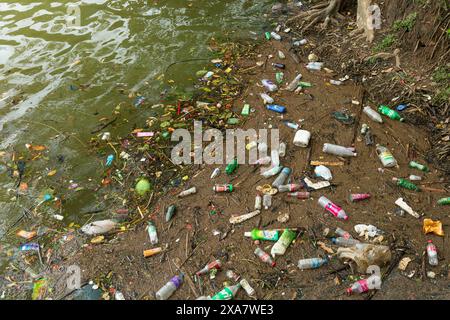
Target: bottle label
pixel 333 209
pixel 176 281
pixel 269 235
pixel 364 285
pixel 225 294
pixel 386 156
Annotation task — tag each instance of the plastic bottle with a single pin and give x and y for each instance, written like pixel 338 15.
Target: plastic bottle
pixel 264 160
pixel 299 195
pixel 289 187
pixel 187 192
pixel 339 150
pixel 170 212
pixel 332 208
pixel 406 184
pixel 282 177
pixel 264 257
pixel 215 173
pixel 267 201
pixel 316 66
pixel 169 288
pixel 300 42
pixel 231 167
pixel 432 254
pixel 227 293
pixel 312 263
pixel 354 197
pixel 232 275
pixel 294 83
pixel 269 235
pixel 444 201
pixel 223 187
pixel 271 172
pixel 278 65
pixel 258 202
pixel 372 114
pixel 279 77
pixel 282 149
pixel 337 233
pixel 216 264
pixel 248 289
pixel 385 156
pixel 275 35
pixel 269 85
pixel 275 157
pixel 266 98
pixel 336 82
pixel 394 115
pixel 291 125
pixel 416 165
pixel 413 177
pixel 323 172
pixel 343 242
pixel 279 248
pixel 152 233
pixel 276 108
pixel 359 286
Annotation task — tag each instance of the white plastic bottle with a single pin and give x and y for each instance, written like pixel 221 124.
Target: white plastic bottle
pixel 312 263
pixel 372 114
pixel 275 35
pixel 338 150
pixel 169 288
pixel 258 202
pixel 282 149
pixel 266 98
pixel 301 138
pixel 269 85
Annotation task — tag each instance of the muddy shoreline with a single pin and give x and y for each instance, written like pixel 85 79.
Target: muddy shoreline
pixel 189 240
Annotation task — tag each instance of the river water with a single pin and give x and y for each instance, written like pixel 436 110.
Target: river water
pixel 61 63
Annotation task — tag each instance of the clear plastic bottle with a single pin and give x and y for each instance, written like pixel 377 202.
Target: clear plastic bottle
pixel 271 172
pixel 267 201
pixel 216 264
pixel 339 150
pixel 343 242
pixel 264 257
pixel 282 177
pixel 294 83
pixel 169 288
pixel 432 254
pixel 312 263
pixel 342 233
pixel 372 114
pixel 275 35
pixel 316 66
pixel 385 156
pixel 289 187
pixel 291 124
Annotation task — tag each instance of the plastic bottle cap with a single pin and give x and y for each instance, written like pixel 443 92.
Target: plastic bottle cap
pixel 349 291
pixel 247 234
pixel 333 240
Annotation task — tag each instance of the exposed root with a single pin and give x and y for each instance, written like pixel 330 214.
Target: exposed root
pixel 322 12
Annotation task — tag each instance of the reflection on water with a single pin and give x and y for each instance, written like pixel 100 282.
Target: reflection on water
pixel 44 53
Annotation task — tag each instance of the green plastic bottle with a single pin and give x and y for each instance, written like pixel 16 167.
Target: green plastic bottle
pixel 406 184
pixel 394 115
pixel 246 110
pixel 279 76
pixel 444 201
pixel 418 166
pixel 269 235
pixel 267 34
pixel 231 167
pixel 227 293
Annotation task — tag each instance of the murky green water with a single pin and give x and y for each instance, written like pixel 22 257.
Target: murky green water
pixel 45 58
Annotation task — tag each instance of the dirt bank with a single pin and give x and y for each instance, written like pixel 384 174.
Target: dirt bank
pixel 189 238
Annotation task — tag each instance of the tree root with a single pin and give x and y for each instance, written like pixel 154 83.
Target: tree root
pixel 321 12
